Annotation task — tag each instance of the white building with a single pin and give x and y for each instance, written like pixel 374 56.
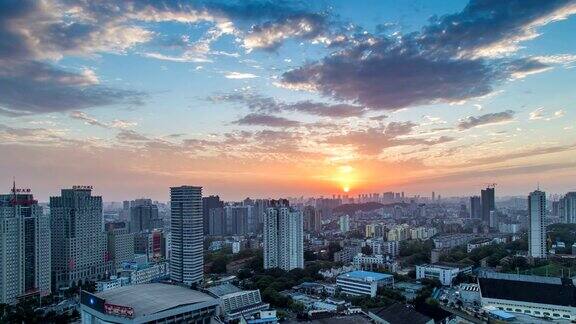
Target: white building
pixel 24 247
pixel 186 258
pixel 544 297
pixel 283 237
pixel 537 224
pixel 236 303
pixel 399 233
pixel 141 274
pixel 357 283
pixel 151 303
pixel 369 262
pixel 444 273
pixel 344 223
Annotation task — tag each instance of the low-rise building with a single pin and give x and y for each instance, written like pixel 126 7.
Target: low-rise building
pixel 149 303
pixel 146 273
pixel 477 243
pixel 398 314
pixel 545 297
pixel 442 272
pixel 358 282
pixel 236 303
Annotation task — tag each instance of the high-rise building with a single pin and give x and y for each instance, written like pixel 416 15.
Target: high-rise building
pixel 537 224
pixel 24 247
pixel 488 203
pixel 312 219
pixel 143 215
pixel 217 222
pixel 120 243
pixel 344 223
pixel 79 247
pixel 238 219
pixel 186 259
pixel 283 237
pixel 567 208
pixel 475 207
pixel 209 203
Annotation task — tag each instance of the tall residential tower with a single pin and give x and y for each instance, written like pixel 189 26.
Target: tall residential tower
pixel 186 259
pixel 537 224
pixel 283 237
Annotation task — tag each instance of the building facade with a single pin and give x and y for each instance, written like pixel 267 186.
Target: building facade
pixel 120 243
pixel 143 215
pixel 357 283
pixel 79 244
pixel 186 258
pixel 283 237
pixel 537 224
pixel 24 247
pixel 488 203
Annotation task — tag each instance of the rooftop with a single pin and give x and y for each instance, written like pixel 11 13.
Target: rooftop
pixel 399 314
pixel 223 289
pixel 152 298
pixel 359 274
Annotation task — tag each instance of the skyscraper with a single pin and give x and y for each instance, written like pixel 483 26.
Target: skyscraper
pixel 79 248
pixel 475 207
pixel 186 259
pixel 238 219
pixel 312 219
pixel 209 203
pixel 567 208
pixel 283 237
pixel 344 223
pixel 120 243
pixel 143 215
pixel 537 224
pixel 24 247
pixel 488 203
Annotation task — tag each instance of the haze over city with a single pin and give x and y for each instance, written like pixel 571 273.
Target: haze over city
pixel 274 98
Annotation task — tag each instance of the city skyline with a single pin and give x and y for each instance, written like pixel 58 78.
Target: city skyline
pixel 276 99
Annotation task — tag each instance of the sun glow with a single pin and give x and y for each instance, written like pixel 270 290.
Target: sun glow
pixel 345 177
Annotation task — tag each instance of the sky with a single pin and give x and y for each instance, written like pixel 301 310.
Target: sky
pixel 288 98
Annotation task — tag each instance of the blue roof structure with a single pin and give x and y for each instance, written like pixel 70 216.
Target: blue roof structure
pixel 502 315
pixel 360 274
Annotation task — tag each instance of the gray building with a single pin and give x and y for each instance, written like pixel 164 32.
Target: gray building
pixel 186 259
pixel 488 203
pixel 283 237
pixel 24 247
pixel 475 207
pixel 209 203
pixel 238 219
pixel 143 215
pixel 79 244
pixel 567 208
pixel 217 222
pixel 537 224
pixel 120 243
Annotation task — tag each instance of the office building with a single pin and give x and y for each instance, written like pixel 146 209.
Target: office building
pixel 488 203
pixel 357 283
pixel 442 272
pixel 186 258
pixel 238 219
pixel 148 303
pixel 542 297
pixel 79 244
pixel 120 243
pixel 143 216
pixel 537 224
pixel 475 207
pixel 283 237
pixel 24 247
pixel 236 303
pixel 208 204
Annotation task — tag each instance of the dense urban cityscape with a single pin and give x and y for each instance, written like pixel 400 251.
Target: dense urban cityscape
pixel 287 161
pixel 361 259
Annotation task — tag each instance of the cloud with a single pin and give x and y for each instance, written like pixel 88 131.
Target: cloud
pixel 240 75
pixel 452 59
pixel 521 154
pixel 540 114
pixel 34 88
pixel 266 120
pixel 270 35
pixel 263 104
pixel 487 119
pixel 373 140
pixel 131 136
pixel 119 124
